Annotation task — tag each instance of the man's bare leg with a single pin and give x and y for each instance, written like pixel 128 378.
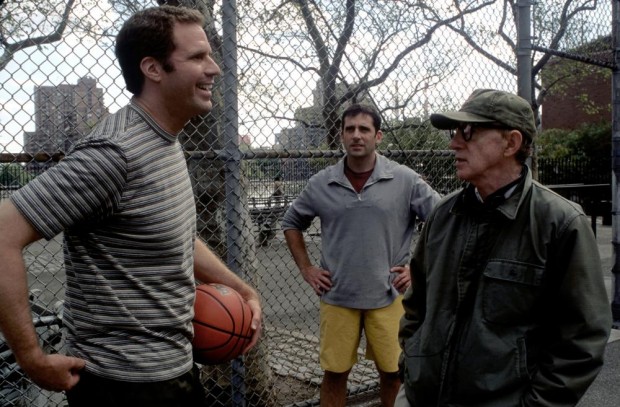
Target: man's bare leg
pixel 389 384
pixel 334 389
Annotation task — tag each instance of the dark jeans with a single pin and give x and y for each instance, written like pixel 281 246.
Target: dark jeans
pixel 93 391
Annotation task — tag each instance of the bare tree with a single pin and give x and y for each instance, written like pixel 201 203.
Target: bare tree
pixel 19 29
pixel 558 25
pixel 349 48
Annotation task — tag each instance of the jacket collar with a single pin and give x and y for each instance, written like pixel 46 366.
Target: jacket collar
pixel 508 208
pixel 383 170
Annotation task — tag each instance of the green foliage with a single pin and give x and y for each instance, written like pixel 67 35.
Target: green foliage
pixel 413 134
pixel 588 141
pixel 262 168
pixel 317 164
pixel 14 175
pixel 555 143
pixel 566 78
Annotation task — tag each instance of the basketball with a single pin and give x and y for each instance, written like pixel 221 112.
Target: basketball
pixel 222 324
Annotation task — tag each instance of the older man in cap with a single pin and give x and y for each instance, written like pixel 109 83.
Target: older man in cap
pixel 507 305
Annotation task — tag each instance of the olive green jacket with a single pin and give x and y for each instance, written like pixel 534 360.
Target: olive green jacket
pixel 508 306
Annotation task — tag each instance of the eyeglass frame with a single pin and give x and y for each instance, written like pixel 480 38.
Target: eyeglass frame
pixel 468 135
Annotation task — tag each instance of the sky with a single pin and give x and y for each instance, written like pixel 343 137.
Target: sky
pixel 278 88
pixel 62 62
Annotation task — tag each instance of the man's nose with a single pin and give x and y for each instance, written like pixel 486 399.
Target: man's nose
pixel 212 68
pixel 456 142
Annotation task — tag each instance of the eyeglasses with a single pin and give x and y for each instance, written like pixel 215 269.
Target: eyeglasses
pixel 467 129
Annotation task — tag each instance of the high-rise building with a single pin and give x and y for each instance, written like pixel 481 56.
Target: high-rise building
pixel 64 114
pixel 310 130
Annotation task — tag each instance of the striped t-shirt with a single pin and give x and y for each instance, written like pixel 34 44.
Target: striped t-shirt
pixel 124 201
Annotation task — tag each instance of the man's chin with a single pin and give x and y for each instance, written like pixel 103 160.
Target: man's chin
pixel 204 109
pixel 462 175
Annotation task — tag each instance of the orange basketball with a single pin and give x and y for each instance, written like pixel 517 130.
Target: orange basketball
pixel 222 324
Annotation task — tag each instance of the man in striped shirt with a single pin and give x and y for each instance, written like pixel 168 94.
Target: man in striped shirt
pixel 124 202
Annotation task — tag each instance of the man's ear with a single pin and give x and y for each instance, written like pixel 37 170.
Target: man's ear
pixel 514 140
pixel 151 69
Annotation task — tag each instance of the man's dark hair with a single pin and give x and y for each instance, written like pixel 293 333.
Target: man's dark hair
pixel 356 109
pixel 149 33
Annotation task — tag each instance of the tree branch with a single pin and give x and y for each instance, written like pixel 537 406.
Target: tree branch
pixel 346 34
pixel 315 35
pixel 11 49
pixel 468 38
pixel 425 39
pixel 280 58
pixel 565 18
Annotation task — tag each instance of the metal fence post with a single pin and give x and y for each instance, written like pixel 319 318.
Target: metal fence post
pixel 524 50
pixel 615 145
pixel 524 56
pixel 232 168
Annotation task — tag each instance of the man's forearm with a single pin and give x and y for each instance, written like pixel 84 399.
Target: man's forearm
pixel 297 247
pixel 15 315
pixel 208 268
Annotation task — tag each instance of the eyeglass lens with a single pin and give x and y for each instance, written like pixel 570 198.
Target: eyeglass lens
pixel 466 130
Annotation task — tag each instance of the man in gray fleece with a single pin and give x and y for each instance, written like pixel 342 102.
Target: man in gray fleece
pixel 368 207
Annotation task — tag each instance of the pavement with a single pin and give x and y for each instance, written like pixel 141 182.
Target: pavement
pixel 605 390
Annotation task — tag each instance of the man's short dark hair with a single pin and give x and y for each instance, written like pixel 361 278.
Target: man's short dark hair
pixel 149 33
pixel 356 109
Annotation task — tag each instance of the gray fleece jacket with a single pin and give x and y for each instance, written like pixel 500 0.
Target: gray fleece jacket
pixel 363 235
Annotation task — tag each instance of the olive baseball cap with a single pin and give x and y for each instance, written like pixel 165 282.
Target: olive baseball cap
pixel 490 106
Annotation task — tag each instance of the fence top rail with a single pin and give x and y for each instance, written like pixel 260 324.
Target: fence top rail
pixel 268 153
pixel 8 158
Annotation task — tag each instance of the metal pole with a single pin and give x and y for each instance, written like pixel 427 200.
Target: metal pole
pixel 231 139
pixel 232 176
pixel 524 58
pixel 615 145
pixel 524 50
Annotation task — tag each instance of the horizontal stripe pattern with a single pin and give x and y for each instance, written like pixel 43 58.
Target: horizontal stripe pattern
pixel 124 201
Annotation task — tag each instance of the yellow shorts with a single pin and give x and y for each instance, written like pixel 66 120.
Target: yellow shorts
pixel 341 330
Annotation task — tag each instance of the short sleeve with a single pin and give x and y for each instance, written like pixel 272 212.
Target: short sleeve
pixel 84 187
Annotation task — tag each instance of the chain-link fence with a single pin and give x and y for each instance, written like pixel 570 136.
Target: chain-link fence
pixel 287 73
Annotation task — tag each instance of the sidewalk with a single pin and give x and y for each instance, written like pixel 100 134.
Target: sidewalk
pixel 605 391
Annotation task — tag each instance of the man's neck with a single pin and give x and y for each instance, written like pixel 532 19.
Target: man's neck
pixel 499 181
pixel 171 124
pixel 361 164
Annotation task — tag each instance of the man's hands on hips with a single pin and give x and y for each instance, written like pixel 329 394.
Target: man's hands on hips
pixel 319 279
pixel 402 281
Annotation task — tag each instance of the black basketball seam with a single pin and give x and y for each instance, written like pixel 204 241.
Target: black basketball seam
pixel 222 330
pixel 224 308
pixel 234 339
pixel 215 348
pixel 243 317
